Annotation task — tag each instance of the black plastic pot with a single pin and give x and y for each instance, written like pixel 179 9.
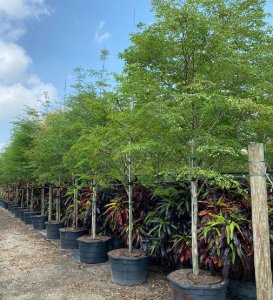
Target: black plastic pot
pixel 52 230
pixel 38 221
pixel 93 251
pixel 28 216
pixel 5 204
pixel 180 291
pixel 13 207
pixel 128 270
pixel 22 214
pixel 10 204
pixel 242 290
pixel 17 212
pixel 69 237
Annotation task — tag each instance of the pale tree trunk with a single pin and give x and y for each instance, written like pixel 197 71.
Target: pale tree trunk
pixel 94 210
pixel 130 200
pixel 260 224
pixel 194 212
pixel 17 195
pixel 22 199
pixel 50 204
pixel 27 197
pixel 31 199
pixel 58 206
pixel 75 197
pixel 43 201
pixel 58 202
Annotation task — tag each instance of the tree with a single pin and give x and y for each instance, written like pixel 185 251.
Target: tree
pixel 208 69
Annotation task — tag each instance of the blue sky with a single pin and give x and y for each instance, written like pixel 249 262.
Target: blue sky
pixel 42 41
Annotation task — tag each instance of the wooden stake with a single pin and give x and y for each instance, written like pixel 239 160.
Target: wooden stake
pixel 260 224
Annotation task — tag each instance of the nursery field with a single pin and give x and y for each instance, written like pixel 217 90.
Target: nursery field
pixel 33 267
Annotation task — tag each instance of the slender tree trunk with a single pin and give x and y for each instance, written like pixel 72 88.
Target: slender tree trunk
pixel 59 200
pixel 17 195
pixel 130 198
pixel 58 205
pixel 22 199
pixel 50 204
pixel 75 205
pixel 94 210
pixel 31 199
pixel 43 201
pixel 27 197
pixel 194 212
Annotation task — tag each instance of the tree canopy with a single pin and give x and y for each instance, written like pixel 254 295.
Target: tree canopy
pixel 195 89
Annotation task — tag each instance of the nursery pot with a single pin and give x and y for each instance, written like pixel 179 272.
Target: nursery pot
pixel 69 237
pixel 17 211
pixel 213 288
pixel 28 216
pixel 13 207
pixel 10 204
pixel 52 230
pixel 21 214
pixel 242 290
pixel 5 204
pixel 128 270
pixel 93 251
pixel 38 221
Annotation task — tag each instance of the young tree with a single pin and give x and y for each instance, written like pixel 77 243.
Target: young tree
pixel 202 72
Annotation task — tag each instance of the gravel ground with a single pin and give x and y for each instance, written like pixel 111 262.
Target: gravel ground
pixel 34 268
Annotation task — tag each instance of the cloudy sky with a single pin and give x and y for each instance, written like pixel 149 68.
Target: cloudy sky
pixel 42 41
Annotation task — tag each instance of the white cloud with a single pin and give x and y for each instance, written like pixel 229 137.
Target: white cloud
pixel 15 97
pixel 20 9
pixel 101 36
pixel 19 88
pixel 13 13
pixel 14 62
pixel 2 146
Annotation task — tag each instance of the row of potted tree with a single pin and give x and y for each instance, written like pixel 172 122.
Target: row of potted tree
pixel 195 90
pixel 225 237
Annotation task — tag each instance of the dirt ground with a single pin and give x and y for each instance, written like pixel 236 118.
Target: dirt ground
pixel 34 268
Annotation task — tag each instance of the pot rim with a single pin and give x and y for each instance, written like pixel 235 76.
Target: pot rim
pixel 219 285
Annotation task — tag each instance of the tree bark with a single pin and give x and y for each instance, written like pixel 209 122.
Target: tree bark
pixel 94 209
pixel 31 199
pixel 260 224
pixel 50 204
pixel 194 211
pixel 27 196
pixel 75 206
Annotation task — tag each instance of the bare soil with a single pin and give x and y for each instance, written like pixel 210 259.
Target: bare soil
pixel 71 229
pixel 185 276
pixel 34 268
pixel 124 252
pixel 89 239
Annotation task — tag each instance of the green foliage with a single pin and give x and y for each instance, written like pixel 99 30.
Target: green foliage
pixel 15 163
